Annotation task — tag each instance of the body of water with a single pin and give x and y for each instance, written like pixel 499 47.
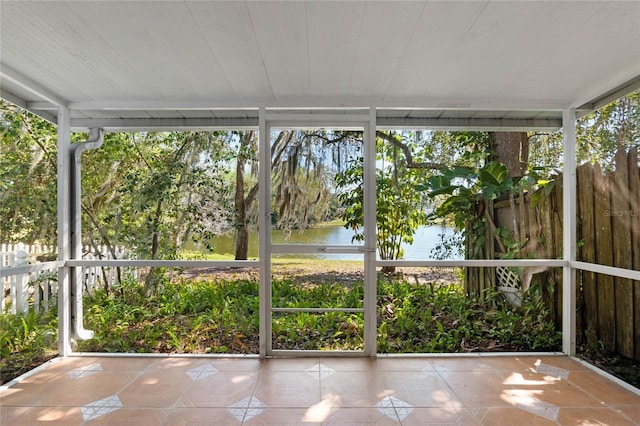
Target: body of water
pixel 426 239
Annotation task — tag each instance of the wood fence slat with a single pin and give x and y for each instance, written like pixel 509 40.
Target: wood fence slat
pixel 587 252
pixel 555 274
pixel 621 233
pixel 634 191
pixel 604 256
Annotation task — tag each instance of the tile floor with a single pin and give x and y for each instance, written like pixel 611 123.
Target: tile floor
pixel 539 390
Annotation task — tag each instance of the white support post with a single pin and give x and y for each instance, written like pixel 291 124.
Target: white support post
pixel 264 234
pixel 569 188
pixel 370 276
pixel 64 230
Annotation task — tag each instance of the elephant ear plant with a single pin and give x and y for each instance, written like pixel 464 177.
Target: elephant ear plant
pixel 462 193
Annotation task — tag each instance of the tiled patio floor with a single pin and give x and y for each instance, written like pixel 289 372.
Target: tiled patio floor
pixel 543 390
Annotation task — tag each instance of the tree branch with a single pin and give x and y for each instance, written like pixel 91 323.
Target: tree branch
pixel 407 154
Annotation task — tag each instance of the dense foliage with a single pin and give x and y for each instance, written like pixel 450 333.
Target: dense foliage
pixel 400 209
pixel 26 341
pixel 27 177
pixel 222 317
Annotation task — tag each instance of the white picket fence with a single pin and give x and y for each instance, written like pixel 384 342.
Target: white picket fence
pixel 37 290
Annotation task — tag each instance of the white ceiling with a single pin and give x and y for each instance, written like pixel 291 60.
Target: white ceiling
pixel 173 60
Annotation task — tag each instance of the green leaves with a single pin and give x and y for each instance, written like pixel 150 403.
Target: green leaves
pixel 400 208
pixel 27 177
pixel 494 180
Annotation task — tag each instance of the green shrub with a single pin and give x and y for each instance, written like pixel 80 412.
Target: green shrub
pixel 26 340
pixel 440 318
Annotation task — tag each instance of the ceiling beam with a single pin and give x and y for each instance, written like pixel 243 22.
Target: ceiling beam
pixel 173 124
pixel 16 100
pixel 24 82
pixel 608 97
pixel 164 124
pixel 480 124
pixel 310 102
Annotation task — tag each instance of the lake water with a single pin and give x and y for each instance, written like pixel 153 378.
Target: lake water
pixel 426 239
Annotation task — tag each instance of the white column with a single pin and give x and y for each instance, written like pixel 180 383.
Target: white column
pixel 64 228
pixel 370 276
pixel 264 233
pixel 569 210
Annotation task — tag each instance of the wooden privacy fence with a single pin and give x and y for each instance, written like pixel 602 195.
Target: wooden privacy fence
pixel 608 216
pixel 37 290
pixel 609 234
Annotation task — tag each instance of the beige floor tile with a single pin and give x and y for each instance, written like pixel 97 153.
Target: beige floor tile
pixel 288 364
pixel 404 364
pixel 287 389
pixel 478 397
pixel 34 390
pixel 290 416
pixel 421 389
pixel 48 415
pixel 87 389
pixel 125 363
pixel 230 364
pixel 200 416
pixel 131 416
pixel 476 364
pixel 562 394
pixel 562 361
pixel 235 364
pixel 47 377
pixel 360 416
pixel 189 390
pixel 489 380
pixel 7 414
pixel 71 363
pixel 354 389
pixel 529 378
pixel 352 364
pixel 603 389
pixel 509 363
pixel 630 412
pixel 117 363
pixel 177 364
pixel 592 416
pixel 220 390
pixel 440 416
pixel 22 396
pixel 511 417
pixel 160 388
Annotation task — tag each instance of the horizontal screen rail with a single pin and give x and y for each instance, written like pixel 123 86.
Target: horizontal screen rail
pixel 532 263
pixel 167 263
pixel 317 249
pixel 317 310
pixel 607 270
pixel 25 269
pixel 316 353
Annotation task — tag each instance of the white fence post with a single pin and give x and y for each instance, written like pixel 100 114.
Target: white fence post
pixel 18 286
pixel 21 284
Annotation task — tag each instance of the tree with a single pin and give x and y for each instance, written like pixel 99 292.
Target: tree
pixel 303 164
pixel 244 200
pixel 399 207
pixel 27 177
pixel 153 192
pixel 599 135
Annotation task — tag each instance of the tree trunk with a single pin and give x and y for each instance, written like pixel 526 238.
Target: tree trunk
pixel 512 150
pixel 154 277
pixel 240 202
